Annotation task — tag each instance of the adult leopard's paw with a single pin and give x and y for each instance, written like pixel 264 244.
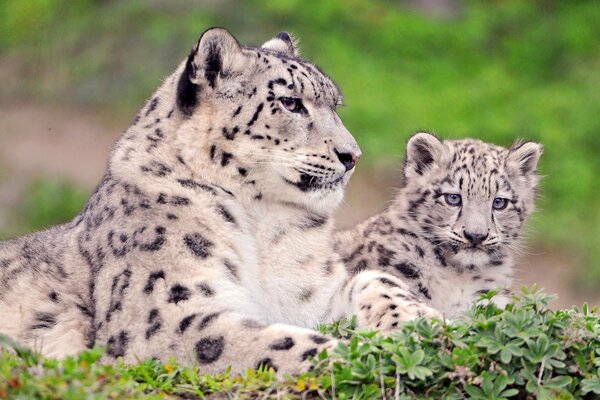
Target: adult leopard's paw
pixel 292 355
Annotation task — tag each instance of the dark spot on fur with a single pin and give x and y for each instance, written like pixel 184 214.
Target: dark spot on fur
pixel 152 280
pixel 225 213
pixel 225 157
pixel 186 322
pixel 205 289
pixel 198 244
pixel 407 269
pixel 357 252
pixel 419 251
pixel 232 268
pixel 388 282
pixel 385 256
pixel 178 293
pixel 152 106
pixel 318 339
pixel 252 324
pixel 155 244
pixel 119 285
pixel 256 114
pixel 306 294
pixel 53 296
pixel 308 353
pixel 209 349
pixel 361 265
pixel 207 320
pixel 190 184
pixel 155 323
pixel 117 346
pixel 43 320
pixel 424 291
pixel 284 344
pixel 314 221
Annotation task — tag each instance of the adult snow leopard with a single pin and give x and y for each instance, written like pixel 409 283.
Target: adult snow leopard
pixel 452 230
pixel 210 236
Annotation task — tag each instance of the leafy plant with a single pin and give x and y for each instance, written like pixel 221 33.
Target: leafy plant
pixel 553 354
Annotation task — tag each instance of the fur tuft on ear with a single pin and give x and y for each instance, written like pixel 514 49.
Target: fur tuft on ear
pixel 523 157
pixel 423 152
pixel 283 42
pixel 217 54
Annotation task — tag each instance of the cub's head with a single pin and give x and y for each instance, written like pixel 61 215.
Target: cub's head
pixel 470 198
pixel 267 116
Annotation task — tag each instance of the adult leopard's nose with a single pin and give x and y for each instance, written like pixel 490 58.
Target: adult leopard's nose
pixel 347 158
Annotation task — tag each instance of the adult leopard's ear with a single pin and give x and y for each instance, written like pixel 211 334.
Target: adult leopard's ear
pixel 423 152
pixel 522 158
pixel 283 43
pixel 216 56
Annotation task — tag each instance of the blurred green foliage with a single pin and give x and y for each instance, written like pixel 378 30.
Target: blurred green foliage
pixel 497 70
pixel 50 202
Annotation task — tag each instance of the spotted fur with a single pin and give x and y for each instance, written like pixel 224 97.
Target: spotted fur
pixel 447 255
pixel 210 236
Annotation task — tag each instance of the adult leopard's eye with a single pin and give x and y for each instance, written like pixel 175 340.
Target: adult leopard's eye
pixel 499 203
pixel 292 104
pixel 452 199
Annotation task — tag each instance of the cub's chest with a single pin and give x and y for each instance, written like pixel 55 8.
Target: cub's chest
pixel 453 292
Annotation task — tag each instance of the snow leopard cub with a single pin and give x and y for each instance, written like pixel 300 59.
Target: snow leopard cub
pixel 452 230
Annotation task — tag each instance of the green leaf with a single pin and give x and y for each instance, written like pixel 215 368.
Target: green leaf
pixel 591 385
pixel 505 355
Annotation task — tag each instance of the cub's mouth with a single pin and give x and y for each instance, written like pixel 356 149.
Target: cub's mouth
pixel 472 248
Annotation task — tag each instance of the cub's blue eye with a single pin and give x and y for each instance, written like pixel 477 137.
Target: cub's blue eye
pixel 500 203
pixel 454 200
pixel 292 104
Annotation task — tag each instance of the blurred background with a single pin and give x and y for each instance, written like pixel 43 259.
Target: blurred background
pixel 74 73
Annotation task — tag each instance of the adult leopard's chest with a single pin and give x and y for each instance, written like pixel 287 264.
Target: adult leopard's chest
pixel 288 273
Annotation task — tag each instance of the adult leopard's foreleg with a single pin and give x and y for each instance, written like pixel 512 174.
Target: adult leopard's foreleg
pixel 217 340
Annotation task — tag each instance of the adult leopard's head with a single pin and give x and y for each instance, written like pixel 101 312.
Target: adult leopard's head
pixel 268 116
pixel 470 198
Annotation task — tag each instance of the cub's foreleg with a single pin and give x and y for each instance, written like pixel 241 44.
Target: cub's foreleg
pixel 382 301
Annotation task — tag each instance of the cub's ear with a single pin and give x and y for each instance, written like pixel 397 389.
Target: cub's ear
pixel 423 152
pixel 216 56
pixel 522 158
pixel 283 43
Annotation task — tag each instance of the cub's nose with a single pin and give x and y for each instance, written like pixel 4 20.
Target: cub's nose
pixel 475 238
pixel 348 159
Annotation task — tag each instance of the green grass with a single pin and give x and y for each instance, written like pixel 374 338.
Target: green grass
pixel 497 70
pixel 527 350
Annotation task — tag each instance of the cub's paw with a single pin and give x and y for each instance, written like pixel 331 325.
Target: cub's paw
pixel 388 312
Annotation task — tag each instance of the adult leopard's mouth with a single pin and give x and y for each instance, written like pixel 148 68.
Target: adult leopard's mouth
pixel 309 182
